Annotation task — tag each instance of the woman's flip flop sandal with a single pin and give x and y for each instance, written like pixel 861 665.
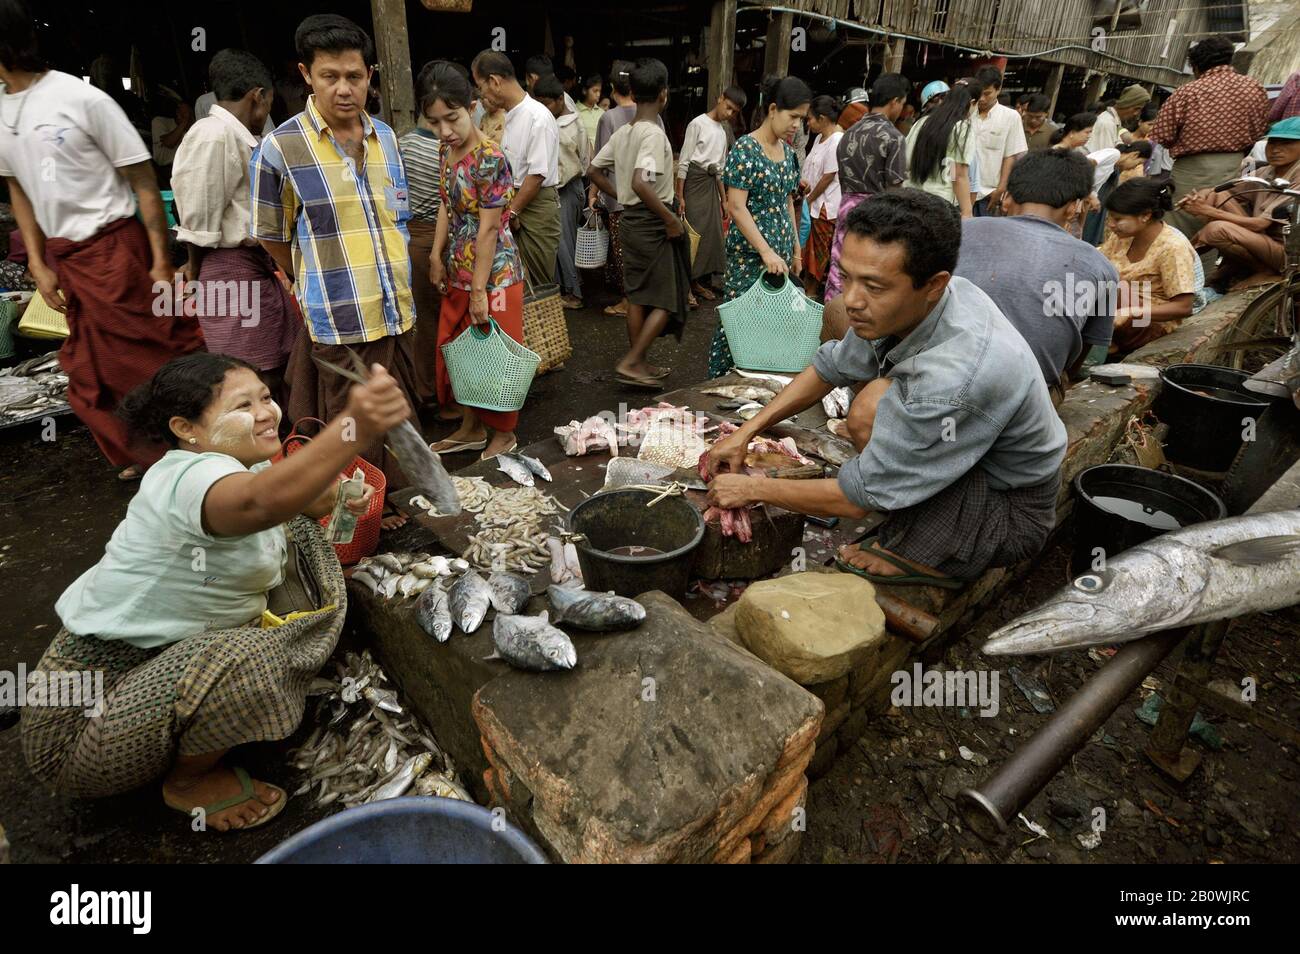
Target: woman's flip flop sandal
pixel 458 446
pixel 246 794
pixel 649 384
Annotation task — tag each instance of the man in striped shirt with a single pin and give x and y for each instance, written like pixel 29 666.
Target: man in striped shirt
pixel 423 176
pixel 330 204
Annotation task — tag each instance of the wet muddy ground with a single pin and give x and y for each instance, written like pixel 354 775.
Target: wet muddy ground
pixel 889 799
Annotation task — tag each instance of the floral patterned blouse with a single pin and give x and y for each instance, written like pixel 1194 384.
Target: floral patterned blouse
pixel 480 180
pixel 769 185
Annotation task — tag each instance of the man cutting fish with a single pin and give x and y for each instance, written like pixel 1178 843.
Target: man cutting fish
pixel 958 442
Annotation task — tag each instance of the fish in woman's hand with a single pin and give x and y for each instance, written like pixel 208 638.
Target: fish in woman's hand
pixel 424 469
pixel 515 469
pixel 510 593
pixel 433 613
pixel 596 612
pixel 469 600
pixel 1207 571
pixel 532 643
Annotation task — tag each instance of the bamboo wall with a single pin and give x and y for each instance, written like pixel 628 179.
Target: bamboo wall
pixel 1031 26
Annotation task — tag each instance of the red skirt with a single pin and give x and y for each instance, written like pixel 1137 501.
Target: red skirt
pixel 506 306
pixel 115 342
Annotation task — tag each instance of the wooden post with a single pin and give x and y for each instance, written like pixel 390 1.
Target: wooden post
pixel 394 51
pixel 894 50
pixel 776 51
pixel 722 48
pixel 1093 92
pixel 1053 88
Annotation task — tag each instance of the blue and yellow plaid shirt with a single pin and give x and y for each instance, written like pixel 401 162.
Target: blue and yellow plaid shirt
pixel 349 234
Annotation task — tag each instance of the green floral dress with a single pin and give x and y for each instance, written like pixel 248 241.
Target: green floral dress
pixel 769 185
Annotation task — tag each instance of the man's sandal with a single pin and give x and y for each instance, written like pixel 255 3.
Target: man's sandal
pixel 246 794
pixel 911 576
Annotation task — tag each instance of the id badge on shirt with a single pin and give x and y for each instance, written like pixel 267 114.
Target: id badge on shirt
pixel 397 200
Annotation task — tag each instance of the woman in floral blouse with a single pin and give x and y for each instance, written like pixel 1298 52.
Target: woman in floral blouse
pixel 761 176
pixel 474 260
pixel 1157 267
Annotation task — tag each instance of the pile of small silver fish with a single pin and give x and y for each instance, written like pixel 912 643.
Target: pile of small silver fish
pixel 522 469
pixel 367 748
pixel 473 493
pixel 511 533
pixel 33 387
pixel 404 574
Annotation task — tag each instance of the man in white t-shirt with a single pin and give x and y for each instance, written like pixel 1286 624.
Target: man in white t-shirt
pixel 1108 131
pixel 999 139
pixel 532 146
pixel 75 168
pixel 699 176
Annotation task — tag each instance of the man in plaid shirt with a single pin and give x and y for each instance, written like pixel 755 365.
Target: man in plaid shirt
pixel 330 203
pixel 1209 124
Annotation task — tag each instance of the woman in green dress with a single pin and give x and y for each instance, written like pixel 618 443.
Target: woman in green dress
pixel 761 177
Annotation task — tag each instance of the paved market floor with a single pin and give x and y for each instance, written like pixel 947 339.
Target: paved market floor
pixel 889 799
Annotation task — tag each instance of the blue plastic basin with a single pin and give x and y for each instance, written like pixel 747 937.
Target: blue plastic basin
pixel 408 831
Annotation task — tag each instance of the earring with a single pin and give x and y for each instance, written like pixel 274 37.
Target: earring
pixel 194 440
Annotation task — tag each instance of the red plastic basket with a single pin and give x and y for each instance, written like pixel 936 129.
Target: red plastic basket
pixel 366 539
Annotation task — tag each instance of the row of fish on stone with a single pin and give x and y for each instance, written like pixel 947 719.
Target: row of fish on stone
pixel 366 748
pixel 404 575
pixel 524 641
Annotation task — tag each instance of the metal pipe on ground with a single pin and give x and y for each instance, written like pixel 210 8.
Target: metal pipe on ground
pixel 989 809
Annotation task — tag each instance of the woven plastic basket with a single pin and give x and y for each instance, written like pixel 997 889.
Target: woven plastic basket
pixel 42 321
pixel 8 318
pixel 772 329
pixel 365 541
pixel 546 333
pixel 593 243
pixel 489 369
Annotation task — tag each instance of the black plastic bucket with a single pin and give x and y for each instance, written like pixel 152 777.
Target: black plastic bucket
pixel 620 519
pixel 1120 506
pixel 1205 408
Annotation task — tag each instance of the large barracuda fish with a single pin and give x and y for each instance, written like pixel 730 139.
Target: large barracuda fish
pixel 1208 571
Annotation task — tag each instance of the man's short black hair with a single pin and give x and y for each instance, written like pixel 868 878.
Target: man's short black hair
pixel 492 63
pixel 548 87
pixel 232 73
pixel 928 228
pixel 330 33
pixel 736 95
pixel 1024 98
pixel 18 50
pixel 1038 103
pixel 1211 52
pixel 649 79
pixel 1054 177
pixel 539 64
pixel 987 76
pixel 888 87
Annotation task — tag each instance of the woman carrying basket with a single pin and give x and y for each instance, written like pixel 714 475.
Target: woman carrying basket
pixel 761 175
pixel 474 258
pixel 216 601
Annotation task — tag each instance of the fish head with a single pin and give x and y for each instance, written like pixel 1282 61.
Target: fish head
pixel 561 653
pixel 1135 595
